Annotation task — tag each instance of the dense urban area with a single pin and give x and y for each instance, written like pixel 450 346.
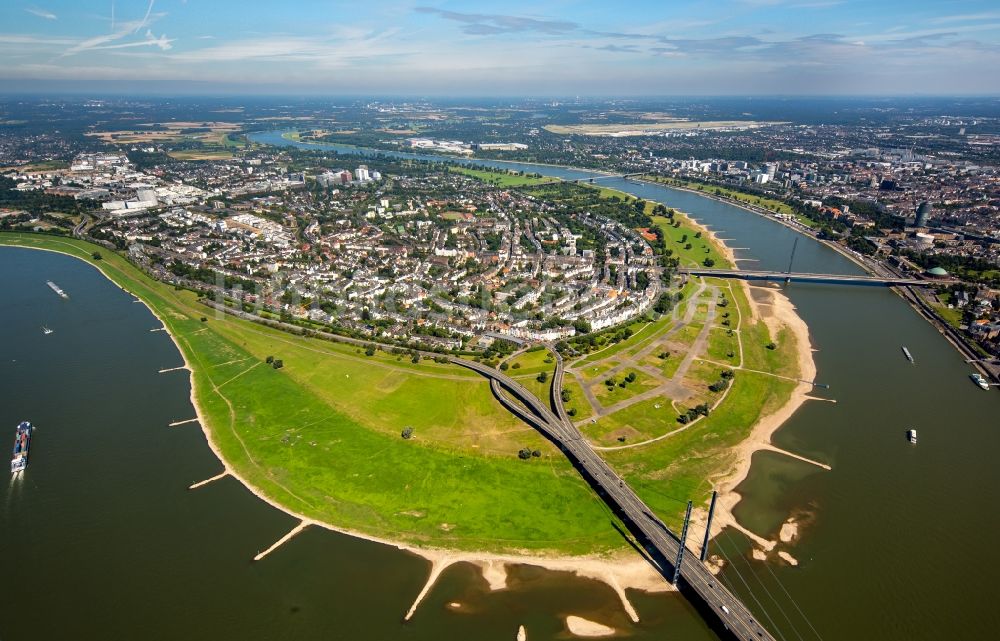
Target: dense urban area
pixel 449 257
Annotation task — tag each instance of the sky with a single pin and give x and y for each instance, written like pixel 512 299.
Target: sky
pixel 516 48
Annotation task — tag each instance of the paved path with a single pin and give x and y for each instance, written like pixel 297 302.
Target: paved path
pixel 673 388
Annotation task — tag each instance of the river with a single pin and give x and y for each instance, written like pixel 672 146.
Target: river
pixel 101 538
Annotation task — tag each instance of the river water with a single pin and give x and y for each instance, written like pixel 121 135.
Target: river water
pixel 101 538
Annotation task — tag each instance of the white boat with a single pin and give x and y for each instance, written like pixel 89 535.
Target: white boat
pixel 46 330
pixel 912 436
pixel 56 289
pixel 980 381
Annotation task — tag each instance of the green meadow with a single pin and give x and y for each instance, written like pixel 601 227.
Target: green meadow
pixel 322 435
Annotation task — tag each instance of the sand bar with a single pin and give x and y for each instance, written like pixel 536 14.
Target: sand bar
pixel 585 628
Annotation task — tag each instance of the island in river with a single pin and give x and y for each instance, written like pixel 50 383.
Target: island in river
pixel 319 438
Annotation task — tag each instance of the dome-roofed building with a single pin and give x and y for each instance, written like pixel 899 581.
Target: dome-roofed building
pixel 937 272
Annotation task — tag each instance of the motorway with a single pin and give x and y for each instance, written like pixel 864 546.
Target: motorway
pixel 659 541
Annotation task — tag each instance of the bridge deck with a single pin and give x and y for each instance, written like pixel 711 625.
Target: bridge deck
pixel 731 612
pixel 840 279
pixel 659 540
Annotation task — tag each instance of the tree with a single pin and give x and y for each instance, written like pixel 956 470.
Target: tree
pixel 97 256
pixel 278 363
pixel 269 360
pixel 407 432
pixel 370 350
pixel 524 454
pixel 708 262
pixel 542 377
pixel 772 345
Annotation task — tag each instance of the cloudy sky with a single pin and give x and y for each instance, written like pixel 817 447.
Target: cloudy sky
pixel 539 47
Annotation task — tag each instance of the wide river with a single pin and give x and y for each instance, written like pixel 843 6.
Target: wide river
pixel 102 540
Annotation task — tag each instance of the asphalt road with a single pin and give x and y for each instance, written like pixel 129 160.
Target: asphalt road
pixel 660 542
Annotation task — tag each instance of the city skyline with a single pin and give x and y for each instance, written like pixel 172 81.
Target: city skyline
pixel 743 47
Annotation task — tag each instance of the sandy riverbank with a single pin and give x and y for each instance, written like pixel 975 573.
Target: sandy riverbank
pixel 782 315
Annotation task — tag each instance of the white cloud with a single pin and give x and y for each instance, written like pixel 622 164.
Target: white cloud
pixel 123 30
pixel 41 13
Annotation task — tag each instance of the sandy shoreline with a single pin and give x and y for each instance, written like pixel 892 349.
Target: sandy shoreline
pixel 782 315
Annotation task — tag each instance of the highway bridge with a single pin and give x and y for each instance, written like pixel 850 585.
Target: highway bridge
pixel 834 279
pixel 662 545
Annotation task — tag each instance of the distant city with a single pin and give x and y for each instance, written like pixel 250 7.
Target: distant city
pixel 432 255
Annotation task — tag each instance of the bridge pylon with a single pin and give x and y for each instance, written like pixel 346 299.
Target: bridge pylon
pixel 708 527
pixel 680 549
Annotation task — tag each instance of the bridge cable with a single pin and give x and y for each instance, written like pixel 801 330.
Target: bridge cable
pixel 722 550
pixel 768 592
pixel 801 613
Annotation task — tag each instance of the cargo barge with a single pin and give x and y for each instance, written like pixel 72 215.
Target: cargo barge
pixel 56 289
pixel 22 441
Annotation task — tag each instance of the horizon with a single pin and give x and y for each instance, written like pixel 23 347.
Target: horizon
pixel 132 93
pixel 761 48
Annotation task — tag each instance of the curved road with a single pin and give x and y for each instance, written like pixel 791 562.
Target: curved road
pixel 661 544
pixel 659 541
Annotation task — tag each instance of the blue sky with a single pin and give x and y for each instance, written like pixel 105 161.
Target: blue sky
pixel 547 48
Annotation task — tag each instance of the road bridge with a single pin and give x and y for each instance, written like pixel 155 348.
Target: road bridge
pixel 591 180
pixel 833 279
pixel 661 544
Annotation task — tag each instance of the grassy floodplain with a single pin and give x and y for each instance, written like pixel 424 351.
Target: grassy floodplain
pixel 686 465
pixel 322 435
